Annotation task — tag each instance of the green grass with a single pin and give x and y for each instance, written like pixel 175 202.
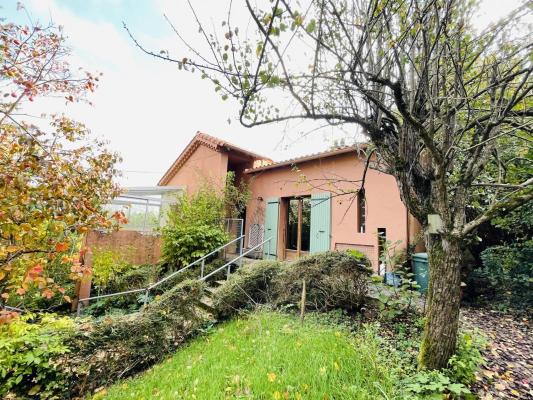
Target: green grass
pixel 270 356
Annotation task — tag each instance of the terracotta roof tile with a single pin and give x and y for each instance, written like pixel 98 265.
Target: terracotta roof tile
pixel 210 141
pixel 309 157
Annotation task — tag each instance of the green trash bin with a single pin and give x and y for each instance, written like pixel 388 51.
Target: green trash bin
pixel 421 270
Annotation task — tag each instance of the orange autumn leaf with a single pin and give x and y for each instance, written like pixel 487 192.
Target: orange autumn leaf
pixel 62 246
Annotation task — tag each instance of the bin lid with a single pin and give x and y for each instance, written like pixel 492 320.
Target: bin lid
pixel 421 256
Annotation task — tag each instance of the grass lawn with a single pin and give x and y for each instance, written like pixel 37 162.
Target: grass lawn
pixel 269 356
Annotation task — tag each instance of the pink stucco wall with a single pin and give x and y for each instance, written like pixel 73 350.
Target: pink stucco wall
pixel 205 165
pixel 384 206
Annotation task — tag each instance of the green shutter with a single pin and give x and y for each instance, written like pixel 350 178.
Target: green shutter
pixel 320 222
pixel 271 228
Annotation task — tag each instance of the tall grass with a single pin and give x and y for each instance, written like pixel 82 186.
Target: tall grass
pixel 270 356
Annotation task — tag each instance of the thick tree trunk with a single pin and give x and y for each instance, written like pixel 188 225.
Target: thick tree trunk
pixel 444 296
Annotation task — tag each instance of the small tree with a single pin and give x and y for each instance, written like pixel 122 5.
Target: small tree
pixel 438 100
pixel 54 182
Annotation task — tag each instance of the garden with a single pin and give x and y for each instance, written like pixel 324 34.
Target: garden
pixel 320 327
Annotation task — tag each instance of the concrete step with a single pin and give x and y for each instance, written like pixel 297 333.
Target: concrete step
pixel 210 290
pixel 207 304
pixel 219 283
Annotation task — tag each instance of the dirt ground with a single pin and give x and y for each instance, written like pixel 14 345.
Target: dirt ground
pixel 508 373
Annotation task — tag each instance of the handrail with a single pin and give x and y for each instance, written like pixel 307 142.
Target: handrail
pixel 9 308
pixel 235 259
pixel 166 278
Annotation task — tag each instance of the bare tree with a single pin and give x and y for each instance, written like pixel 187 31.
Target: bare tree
pixel 440 102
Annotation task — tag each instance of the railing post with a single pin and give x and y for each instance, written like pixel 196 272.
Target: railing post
pixel 241 247
pixel 268 250
pixel 146 297
pixel 202 269
pixel 229 272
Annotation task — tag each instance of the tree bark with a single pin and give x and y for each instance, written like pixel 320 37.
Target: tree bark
pixel 444 297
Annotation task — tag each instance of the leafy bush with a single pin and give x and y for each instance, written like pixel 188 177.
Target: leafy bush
pixel 396 301
pixel 452 382
pixel 58 300
pixel 434 384
pixel 333 280
pixel 468 358
pixel 115 347
pixel 135 278
pixel 26 348
pixel 249 286
pixel 506 275
pixel 184 244
pixel 194 227
pixel 108 265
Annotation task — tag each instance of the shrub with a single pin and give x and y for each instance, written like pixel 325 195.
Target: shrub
pixel 395 302
pixel 135 278
pixel 34 299
pixel 194 227
pixel 249 286
pixel 468 358
pixel 506 275
pixel 26 348
pixel 333 280
pixel 115 347
pixel 108 265
pixel 435 385
pixel 184 244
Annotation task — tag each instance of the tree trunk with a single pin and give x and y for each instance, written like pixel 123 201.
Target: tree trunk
pixel 444 297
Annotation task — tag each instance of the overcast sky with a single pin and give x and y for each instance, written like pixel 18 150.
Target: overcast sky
pixel 147 109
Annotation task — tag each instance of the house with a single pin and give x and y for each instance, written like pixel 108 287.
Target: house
pixel 306 204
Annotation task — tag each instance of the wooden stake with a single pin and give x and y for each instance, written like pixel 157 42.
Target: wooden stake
pixel 302 304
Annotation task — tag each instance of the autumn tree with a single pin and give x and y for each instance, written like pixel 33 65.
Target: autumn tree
pixel 54 179
pixel 437 98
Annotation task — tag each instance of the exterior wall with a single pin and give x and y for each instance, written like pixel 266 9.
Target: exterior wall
pixel 204 165
pixel 384 206
pixel 135 247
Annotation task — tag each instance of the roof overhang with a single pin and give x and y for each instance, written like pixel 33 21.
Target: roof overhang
pixel 299 160
pixel 214 143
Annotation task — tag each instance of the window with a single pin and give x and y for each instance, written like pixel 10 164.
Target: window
pixel 382 239
pixel 361 211
pixel 292 224
pixel 298 224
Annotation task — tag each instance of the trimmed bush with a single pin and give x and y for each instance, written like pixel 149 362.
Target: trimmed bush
pixel 333 279
pixel 249 286
pixel 115 347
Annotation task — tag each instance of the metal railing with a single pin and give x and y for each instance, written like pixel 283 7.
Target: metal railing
pixel 230 263
pixel 9 308
pixel 166 278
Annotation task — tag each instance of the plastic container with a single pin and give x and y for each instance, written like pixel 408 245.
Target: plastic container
pixel 421 270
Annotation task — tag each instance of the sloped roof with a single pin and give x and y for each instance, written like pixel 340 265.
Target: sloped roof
pixel 209 141
pixel 309 157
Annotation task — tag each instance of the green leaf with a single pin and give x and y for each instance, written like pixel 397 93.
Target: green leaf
pixel 311 26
